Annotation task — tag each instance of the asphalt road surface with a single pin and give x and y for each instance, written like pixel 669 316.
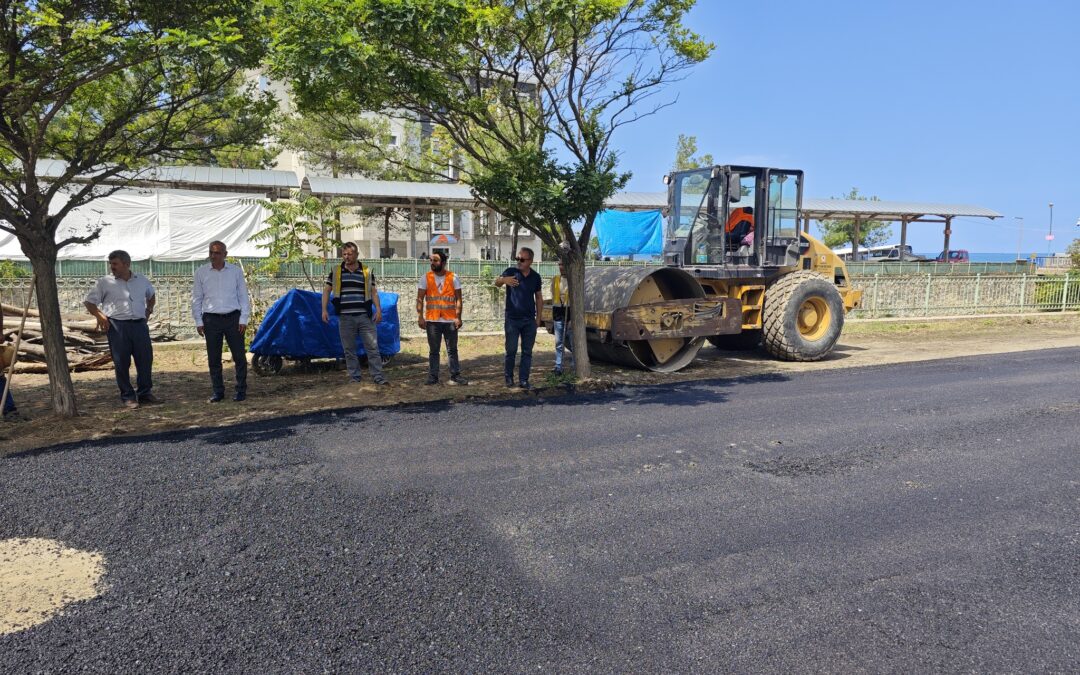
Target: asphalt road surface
pixel 912 518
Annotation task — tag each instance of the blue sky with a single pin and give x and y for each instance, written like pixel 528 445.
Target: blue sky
pixel 950 101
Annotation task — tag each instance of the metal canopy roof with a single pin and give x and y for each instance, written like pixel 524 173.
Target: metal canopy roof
pixel 215 178
pixel 367 192
pixel 391 192
pixel 851 209
pixel 635 201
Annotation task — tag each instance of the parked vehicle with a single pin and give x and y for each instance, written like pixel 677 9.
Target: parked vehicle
pixel 886 253
pixel 953 256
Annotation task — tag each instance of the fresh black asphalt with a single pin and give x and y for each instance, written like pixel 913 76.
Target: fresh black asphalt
pixel 910 518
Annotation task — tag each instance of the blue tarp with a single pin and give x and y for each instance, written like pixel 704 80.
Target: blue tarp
pixel 293 326
pixel 630 233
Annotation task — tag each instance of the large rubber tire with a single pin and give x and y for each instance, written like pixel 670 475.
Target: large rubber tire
pixel 739 342
pixel 804 315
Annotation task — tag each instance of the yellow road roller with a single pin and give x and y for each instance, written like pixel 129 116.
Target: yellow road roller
pixel 738 273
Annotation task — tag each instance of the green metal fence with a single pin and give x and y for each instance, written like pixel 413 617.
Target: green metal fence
pixel 863 268
pixel 929 295
pixel 385 267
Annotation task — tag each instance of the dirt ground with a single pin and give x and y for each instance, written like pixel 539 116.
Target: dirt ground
pixel 182 382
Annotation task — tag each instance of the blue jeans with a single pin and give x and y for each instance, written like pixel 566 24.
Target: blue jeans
pixel 9 402
pixel 562 335
pixel 131 340
pixel 351 325
pixel 525 330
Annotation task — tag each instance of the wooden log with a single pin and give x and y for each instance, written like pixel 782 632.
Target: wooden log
pixel 12 310
pixel 89 327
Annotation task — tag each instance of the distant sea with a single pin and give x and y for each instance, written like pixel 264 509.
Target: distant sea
pixel 985 257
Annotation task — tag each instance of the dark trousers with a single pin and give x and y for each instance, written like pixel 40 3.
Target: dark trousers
pixel 437 333
pixel 131 340
pixel 227 326
pixel 525 330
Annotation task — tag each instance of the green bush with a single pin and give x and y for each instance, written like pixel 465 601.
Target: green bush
pixel 1050 291
pixel 9 269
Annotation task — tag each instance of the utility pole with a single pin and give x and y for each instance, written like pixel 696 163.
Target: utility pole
pixel 1020 240
pixel 1050 236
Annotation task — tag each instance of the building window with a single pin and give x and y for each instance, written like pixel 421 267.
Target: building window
pixel 393 140
pixel 442 221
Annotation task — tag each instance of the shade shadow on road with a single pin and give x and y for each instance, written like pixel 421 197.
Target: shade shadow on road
pixel 681 394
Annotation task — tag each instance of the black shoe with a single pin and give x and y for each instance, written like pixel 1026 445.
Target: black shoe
pixel 434 380
pixel 525 386
pixel 556 371
pixel 383 383
pixel 239 396
pixel 216 398
pixel 149 398
pixel 509 383
pixel 459 380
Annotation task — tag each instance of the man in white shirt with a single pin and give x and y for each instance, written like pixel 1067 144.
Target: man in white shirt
pixel 122 302
pixel 221 309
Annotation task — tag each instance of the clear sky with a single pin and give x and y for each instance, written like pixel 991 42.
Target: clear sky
pixel 953 101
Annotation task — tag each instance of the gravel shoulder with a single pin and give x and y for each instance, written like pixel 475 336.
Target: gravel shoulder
pixel 181 380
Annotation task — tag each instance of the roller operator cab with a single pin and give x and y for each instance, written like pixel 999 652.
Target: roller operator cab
pixel 738 273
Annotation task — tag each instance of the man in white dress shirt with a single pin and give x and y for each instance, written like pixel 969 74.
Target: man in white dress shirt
pixel 221 309
pixel 122 302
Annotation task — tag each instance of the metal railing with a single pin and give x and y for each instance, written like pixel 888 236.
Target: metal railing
pixel 972 295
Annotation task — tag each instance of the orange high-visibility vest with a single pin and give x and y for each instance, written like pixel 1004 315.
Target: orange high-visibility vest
pixel 738 216
pixel 441 302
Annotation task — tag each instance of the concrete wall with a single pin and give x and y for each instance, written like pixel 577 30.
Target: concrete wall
pixel 912 296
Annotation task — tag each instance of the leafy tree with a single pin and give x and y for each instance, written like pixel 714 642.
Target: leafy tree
pixel 1074 251
pixel 530 92
pixel 294 228
pixel 684 155
pixel 359 145
pixel 245 111
pixel 836 233
pixel 109 87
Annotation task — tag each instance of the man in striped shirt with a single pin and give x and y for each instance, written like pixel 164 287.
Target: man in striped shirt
pixel 358 310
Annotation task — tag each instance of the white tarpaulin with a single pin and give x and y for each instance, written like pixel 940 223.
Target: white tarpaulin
pixel 158 224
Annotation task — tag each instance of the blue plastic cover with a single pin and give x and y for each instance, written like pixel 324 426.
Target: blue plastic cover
pixel 630 232
pixel 293 327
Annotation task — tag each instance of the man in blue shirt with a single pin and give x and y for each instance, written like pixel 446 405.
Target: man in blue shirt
pixel 524 304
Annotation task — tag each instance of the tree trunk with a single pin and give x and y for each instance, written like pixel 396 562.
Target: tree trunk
pixel 386 232
pixel 43 259
pixel 574 262
pixel 514 245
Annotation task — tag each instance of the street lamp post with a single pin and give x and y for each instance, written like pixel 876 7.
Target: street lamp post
pixel 1020 239
pixel 1050 236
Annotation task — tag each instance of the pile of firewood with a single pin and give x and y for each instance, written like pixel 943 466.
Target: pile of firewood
pixel 87 347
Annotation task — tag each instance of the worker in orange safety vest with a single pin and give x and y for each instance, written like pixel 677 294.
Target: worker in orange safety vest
pixel 438 311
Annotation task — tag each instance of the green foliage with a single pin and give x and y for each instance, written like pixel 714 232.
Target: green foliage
pixel 1074 252
pixel 835 233
pixel 1050 291
pixel 294 228
pixel 113 86
pixel 684 155
pixel 340 145
pixel 12 270
pixel 593 252
pixel 527 94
